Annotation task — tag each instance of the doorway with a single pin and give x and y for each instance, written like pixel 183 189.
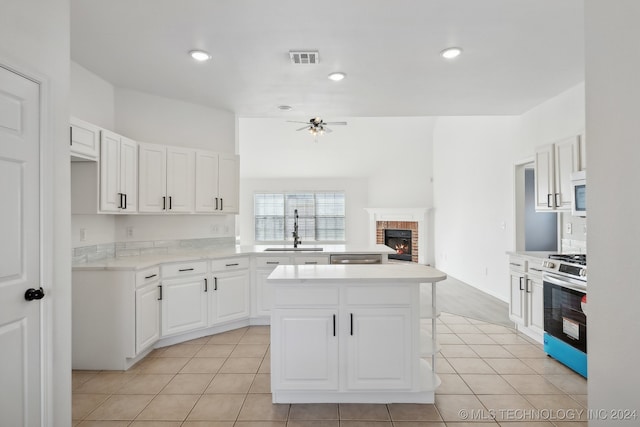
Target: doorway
pixel 535 231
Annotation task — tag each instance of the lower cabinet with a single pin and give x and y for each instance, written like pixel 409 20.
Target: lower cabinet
pixel 526 296
pixel 147 316
pixel 229 299
pixel 535 303
pixel 184 304
pixel 263 292
pixel 517 301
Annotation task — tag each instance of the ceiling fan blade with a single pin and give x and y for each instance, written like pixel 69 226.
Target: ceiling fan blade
pixel 303 128
pixel 335 123
pixel 327 130
pixel 292 121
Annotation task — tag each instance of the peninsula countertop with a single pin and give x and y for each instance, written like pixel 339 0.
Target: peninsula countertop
pixel 146 261
pixel 369 273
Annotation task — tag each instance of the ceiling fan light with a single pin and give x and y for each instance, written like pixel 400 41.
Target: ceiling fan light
pixel 200 55
pixel 337 76
pixel 451 52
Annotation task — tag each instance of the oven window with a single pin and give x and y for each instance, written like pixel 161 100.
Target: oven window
pixel 563 315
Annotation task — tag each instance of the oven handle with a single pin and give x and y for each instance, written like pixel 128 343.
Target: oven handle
pixel 564 283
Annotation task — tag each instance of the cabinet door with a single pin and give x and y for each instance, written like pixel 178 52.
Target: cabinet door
pixel 85 139
pixel 535 307
pixel 229 298
pixel 379 347
pixel 184 305
pixel 207 198
pixel 228 185
pixel 110 200
pixel 567 161
pixel 264 293
pixel 308 349
pixel 147 316
pixel 517 308
pixel 544 178
pixel 129 174
pixel 152 175
pixel 180 179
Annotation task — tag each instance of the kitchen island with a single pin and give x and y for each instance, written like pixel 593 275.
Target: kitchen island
pixel 352 333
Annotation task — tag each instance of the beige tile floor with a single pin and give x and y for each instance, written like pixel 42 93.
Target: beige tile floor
pixel 490 376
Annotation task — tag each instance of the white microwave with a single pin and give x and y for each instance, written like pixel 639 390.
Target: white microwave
pixel 579 193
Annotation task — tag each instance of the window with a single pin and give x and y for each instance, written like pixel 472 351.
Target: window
pixel 320 216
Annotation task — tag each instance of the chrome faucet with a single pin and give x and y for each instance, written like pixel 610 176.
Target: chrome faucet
pixel 296 237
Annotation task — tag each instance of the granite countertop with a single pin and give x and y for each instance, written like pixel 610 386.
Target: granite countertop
pixel 379 272
pixel 146 261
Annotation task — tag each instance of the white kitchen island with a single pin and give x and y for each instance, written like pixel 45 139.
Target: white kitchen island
pixel 352 334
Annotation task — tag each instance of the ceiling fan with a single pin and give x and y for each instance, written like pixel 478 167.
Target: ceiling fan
pixel 316 126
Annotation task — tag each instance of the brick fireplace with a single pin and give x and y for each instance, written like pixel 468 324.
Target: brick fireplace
pixel 413 220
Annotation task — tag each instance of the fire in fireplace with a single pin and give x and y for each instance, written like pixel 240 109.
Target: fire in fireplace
pixel 400 240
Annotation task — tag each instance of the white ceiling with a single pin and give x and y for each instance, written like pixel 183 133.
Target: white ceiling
pixel 517 53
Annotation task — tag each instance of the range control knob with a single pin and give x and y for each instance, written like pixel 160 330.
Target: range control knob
pixel 583 272
pixel 548 264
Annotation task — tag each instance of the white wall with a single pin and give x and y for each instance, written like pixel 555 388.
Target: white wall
pixel 357 219
pixel 612 69
pixel 91 98
pixel 35 35
pixel 474 184
pixel 392 156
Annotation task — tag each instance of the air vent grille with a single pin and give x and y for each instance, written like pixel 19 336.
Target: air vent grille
pixel 303 57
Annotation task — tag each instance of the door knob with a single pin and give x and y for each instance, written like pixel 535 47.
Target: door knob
pixel 32 294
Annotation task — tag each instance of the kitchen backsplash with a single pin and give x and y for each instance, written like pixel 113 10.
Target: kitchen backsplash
pixel 574 234
pixel 85 254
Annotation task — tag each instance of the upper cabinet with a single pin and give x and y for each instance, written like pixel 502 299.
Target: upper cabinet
pixel 166 179
pixel 217 182
pixel 84 139
pixel 554 164
pixel 118 173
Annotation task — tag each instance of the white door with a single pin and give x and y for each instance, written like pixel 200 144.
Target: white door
pixel 111 199
pixel 147 316
pixel 207 198
pixel 544 181
pixel 535 300
pixel 152 174
pixel 567 159
pixel 184 305
pixel 379 348
pixel 228 187
pixel 307 341
pixel 20 335
pixel 516 297
pixel 129 174
pixel 180 179
pixel 264 292
pixel 229 296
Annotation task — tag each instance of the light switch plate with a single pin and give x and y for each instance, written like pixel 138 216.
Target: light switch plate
pixel 568 228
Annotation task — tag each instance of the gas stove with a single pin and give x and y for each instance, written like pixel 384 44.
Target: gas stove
pixel 573 266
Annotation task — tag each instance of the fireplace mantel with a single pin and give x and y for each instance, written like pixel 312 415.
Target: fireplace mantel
pixel 419 215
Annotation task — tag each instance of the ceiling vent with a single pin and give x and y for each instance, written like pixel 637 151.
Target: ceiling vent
pixel 304 57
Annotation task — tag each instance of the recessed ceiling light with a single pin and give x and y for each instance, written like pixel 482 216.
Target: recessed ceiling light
pixel 285 107
pixel 200 55
pixel 336 77
pixel 451 52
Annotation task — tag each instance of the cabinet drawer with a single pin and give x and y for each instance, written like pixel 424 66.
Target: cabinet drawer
pixel 272 261
pixel 229 264
pixel 311 260
pixel 299 296
pixel 183 269
pixel 517 264
pixel 387 295
pixel 147 275
pixel 534 267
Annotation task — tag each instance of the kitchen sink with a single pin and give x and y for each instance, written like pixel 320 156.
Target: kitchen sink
pixel 294 249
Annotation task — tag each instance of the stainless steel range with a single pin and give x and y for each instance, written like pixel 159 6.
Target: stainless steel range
pixel 565 309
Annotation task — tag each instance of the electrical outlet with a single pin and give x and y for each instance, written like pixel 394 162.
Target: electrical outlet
pixel 83 234
pixel 226 229
pixel 215 229
pixel 568 228
pixel 129 231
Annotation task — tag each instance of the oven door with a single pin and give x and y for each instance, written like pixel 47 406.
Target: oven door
pixel 564 317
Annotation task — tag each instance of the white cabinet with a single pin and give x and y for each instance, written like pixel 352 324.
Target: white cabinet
pixel 166 179
pixel 229 299
pixel 217 182
pixel 147 308
pixel 84 139
pixel 526 295
pixel 184 297
pixel 308 343
pixel 379 348
pixel 118 173
pixel 554 164
pixel 262 291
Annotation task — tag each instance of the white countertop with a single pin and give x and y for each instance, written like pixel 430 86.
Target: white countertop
pixel 353 272
pixel 531 254
pixel 146 261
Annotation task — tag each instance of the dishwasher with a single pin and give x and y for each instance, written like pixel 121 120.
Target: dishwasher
pixel 356 259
